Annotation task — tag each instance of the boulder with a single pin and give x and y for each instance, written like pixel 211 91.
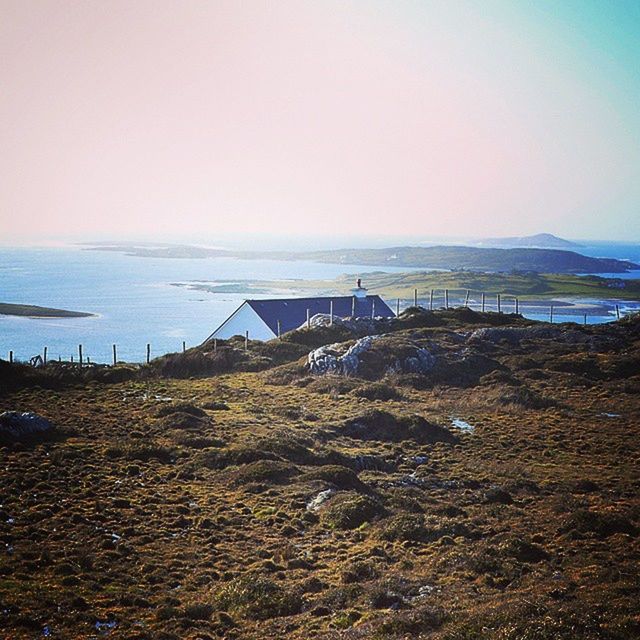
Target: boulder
pixel 20 426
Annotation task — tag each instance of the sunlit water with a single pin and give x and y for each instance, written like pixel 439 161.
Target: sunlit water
pixel 136 304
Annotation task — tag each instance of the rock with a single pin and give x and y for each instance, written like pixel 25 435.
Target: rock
pixel 19 426
pixel 317 502
pixel 371 357
pixel 328 359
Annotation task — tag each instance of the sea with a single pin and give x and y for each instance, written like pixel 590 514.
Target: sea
pixel 136 302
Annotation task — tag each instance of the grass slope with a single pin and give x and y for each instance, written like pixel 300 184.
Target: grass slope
pixel 235 506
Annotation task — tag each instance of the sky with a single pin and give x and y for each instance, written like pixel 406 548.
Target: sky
pixel 188 120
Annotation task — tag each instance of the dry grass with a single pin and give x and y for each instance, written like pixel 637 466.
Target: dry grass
pixel 152 526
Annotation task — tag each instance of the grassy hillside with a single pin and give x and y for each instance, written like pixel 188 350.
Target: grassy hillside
pixel 279 504
pixel 525 286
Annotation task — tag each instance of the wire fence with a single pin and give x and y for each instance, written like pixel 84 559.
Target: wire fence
pixel 431 299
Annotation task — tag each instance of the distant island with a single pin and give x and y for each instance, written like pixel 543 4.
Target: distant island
pixel 537 241
pixel 33 311
pixel 450 258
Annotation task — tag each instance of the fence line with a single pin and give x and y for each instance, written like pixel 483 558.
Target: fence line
pixel 467 299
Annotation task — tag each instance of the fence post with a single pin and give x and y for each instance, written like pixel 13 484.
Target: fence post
pixel 330 312
pixel 517 310
pixel 184 346
pixel 115 355
pixel 80 354
pixel 431 300
pixel 373 309
pixel 415 297
pixel 483 302
pixel 148 352
pixel 585 319
pixel 279 329
pixel 446 298
pixel 617 312
pixel 397 307
pixel 71 359
pixel 10 357
pixel 466 299
pixel 498 302
pixel 353 307
pixel 246 340
pixel 551 314
pixel 308 319
pixel 44 357
pixel 215 345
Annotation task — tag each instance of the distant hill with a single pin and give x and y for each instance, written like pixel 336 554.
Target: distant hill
pixel 537 241
pixel 451 258
pixel 476 259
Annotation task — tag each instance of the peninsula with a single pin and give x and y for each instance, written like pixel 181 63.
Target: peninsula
pixel 34 311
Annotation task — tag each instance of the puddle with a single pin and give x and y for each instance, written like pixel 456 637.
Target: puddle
pixel 462 425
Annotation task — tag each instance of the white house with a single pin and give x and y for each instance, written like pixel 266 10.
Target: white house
pixel 265 319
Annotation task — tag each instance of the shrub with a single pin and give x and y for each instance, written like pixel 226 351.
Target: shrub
pixel 340 477
pixel 350 510
pixel 200 611
pixel 181 407
pixel 258 598
pixel 377 391
pixel 264 471
pixel 381 425
pixel 602 525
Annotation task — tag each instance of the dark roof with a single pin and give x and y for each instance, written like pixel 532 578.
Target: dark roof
pixel 292 312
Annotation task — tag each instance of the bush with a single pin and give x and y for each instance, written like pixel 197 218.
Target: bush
pixel 180 407
pixel 350 510
pixel 340 477
pixel 377 391
pixel 602 525
pixel 271 471
pixel 258 598
pixel 415 527
pixel 381 425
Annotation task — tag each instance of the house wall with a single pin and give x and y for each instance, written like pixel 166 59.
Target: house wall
pixel 243 319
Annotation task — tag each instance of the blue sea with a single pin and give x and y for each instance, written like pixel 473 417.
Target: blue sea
pixel 135 302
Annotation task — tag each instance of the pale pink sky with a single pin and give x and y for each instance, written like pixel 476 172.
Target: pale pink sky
pixel 177 118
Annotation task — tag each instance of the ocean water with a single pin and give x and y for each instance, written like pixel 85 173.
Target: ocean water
pixel 133 298
pixel 135 302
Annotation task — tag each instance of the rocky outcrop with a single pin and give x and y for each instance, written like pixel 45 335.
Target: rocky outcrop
pixel 329 359
pixel 21 426
pixel 371 357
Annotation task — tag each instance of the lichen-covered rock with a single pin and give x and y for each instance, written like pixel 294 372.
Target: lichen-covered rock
pixel 18 426
pixel 329 359
pixel 372 357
